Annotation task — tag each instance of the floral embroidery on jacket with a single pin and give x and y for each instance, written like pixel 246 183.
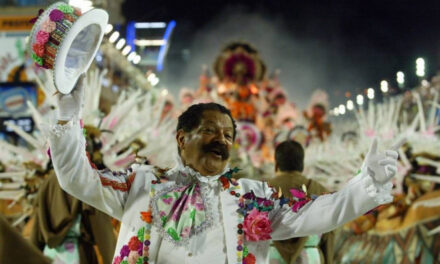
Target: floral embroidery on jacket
pixel 119 186
pixel 133 252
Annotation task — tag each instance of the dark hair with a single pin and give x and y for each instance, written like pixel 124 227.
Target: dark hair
pixel 289 156
pixel 192 117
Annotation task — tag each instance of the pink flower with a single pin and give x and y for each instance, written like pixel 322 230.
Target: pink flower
pixel 199 206
pixel 133 257
pixel 42 37
pixel 48 26
pixel 117 260
pixel 296 206
pixel 124 251
pixel 297 193
pixel 185 232
pixel 56 15
pixel 256 226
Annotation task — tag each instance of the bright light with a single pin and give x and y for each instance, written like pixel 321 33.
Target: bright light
pixel 131 56
pixel 336 111
pixel 149 42
pixel 350 105
pixel 360 99
pixel 151 77
pixel 113 37
pixel 150 25
pixel 425 83
pixel 420 67
pixel 155 82
pixel 384 86
pixel 370 93
pixel 108 28
pixel 342 109
pixel 126 50
pixel 164 92
pixel 120 43
pixel 137 59
pixel 400 78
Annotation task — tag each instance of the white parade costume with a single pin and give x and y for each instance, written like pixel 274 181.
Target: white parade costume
pixel 137 196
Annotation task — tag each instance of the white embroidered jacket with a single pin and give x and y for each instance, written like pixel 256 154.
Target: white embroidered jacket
pixel 125 195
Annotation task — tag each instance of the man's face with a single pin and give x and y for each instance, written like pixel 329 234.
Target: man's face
pixel 207 147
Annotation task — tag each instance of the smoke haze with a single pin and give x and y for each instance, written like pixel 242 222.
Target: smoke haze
pixel 304 62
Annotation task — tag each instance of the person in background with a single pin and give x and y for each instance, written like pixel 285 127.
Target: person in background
pixel 68 230
pixel 289 164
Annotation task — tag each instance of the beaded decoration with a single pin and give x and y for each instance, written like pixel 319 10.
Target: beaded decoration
pixel 50 28
pixel 137 250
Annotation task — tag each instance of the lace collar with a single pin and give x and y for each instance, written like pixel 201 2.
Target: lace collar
pixel 185 174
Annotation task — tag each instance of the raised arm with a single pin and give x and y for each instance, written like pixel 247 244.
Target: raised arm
pixel 105 190
pixel 367 190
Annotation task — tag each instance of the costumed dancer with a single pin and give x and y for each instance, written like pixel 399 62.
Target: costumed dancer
pixel 197 210
pixel 68 230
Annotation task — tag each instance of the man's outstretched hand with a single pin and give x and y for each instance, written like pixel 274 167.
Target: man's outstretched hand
pixel 69 105
pixel 382 166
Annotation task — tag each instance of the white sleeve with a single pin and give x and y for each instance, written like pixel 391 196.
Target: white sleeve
pixel 105 190
pixel 329 211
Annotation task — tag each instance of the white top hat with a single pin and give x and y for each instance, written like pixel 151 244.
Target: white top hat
pixel 65 41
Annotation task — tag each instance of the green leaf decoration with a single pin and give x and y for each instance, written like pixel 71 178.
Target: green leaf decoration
pixel 245 251
pixel 38 60
pixel 164 220
pixel 66 9
pixel 172 232
pixel 193 214
pixel 140 234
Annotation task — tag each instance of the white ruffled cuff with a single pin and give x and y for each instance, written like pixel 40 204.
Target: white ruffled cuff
pixel 381 193
pixel 57 130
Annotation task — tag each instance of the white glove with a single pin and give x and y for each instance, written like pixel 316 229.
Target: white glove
pixel 70 105
pixel 382 167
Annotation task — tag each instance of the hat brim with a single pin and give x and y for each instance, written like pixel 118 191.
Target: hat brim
pixel 65 72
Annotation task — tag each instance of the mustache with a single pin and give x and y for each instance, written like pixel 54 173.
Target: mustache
pixel 221 148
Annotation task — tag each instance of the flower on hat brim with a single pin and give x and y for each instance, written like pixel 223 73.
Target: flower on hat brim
pixel 38 48
pixel 38 60
pixel 42 37
pixel 56 15
pixel 66 9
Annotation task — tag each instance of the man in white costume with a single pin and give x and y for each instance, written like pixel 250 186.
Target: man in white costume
pixel 197 212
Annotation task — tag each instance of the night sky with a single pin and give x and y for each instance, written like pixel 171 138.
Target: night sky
pixel 338 47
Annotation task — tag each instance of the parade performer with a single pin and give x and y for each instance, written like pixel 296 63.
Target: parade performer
pixel 289 158
pixel 197 212
pixel 68 230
